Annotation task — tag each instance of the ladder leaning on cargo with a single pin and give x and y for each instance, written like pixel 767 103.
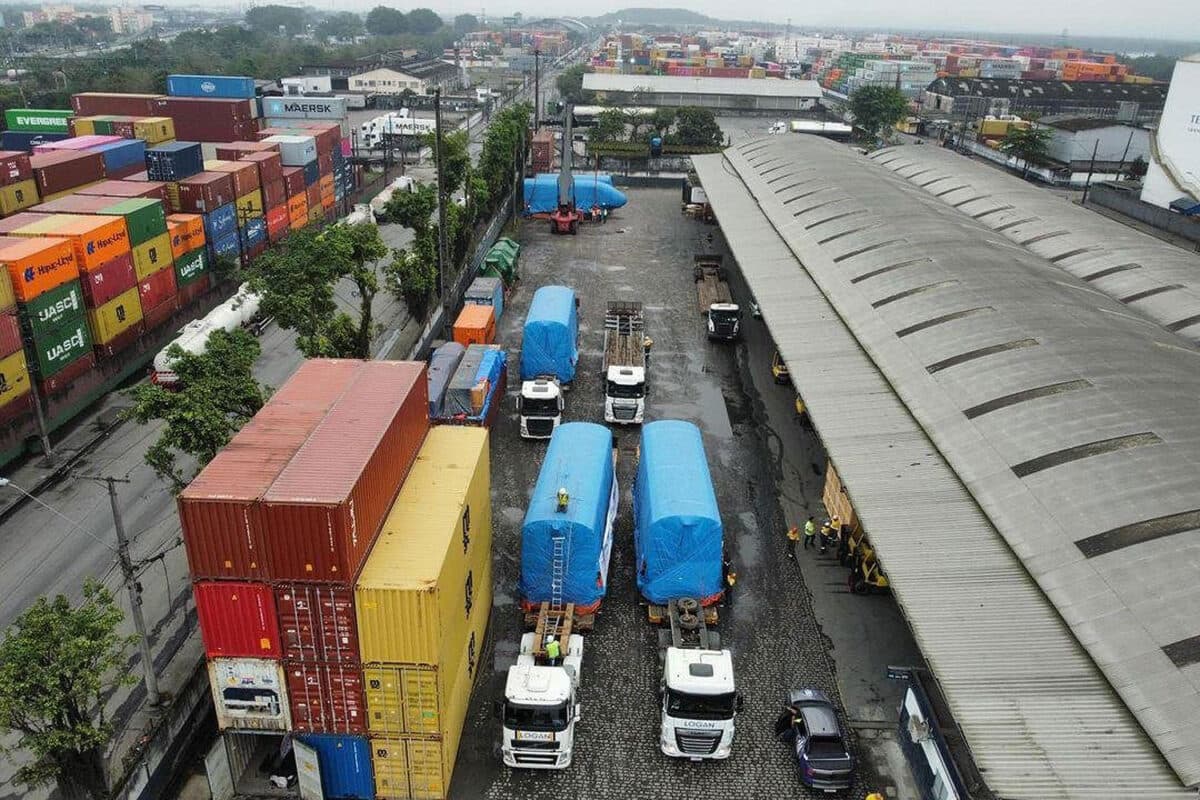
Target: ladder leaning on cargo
pixel 553 624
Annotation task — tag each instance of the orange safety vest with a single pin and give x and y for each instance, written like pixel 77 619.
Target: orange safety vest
pixel 794 533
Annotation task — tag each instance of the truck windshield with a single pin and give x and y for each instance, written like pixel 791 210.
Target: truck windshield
pixel 617 390
pixel 539 407
pixel 536 718
pixel 724 317
pixel 701 706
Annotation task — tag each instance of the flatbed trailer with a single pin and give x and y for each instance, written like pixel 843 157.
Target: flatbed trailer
pixel 711 282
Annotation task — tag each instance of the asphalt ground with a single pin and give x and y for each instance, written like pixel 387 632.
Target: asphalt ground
pixel 645 253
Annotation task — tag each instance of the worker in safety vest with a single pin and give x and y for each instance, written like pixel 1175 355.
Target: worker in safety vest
pixel 875 796
pixel 810 533
pixel 793 536
pixel 563 499
pixel 730 580
pixel 826 535
pixel 553 651
pixel 647 343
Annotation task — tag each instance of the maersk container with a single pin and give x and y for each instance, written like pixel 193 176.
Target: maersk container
pixel 237 619
pixel 249 694
pixel 588 191
pixel 228 86
pixel 345 765
pixel 486 292
pixel 174 161
pixel 579 537
pixel 442 365
pixel 429 573
pixel 549 345
pixel 677 531
pixel 333 108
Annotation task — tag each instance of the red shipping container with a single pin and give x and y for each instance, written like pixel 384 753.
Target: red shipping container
pixel 219 109
pixel 327 134
pixel 138 176
pixel 192 292
pixel 20 220
pixel 317 622
pixel 326 698
pixel 235 151
pixel 65 169
pixel 321 515
pixel 277 222
pixel 237 620
pixel 67 376
pixel 274 194
pixel 270 168
pixel 244 176
pixel 215 509
pixel 313 193
pixel 256 250
pixel 14 166
pixel 157 287
pixel 154 190
pixel 205 192
pixel 293 180
pixel 109 280
pixel 10 333
pixel 120 342
pixel 75 204
pixel 89 104
pixel 154 318
pixel 15 408
pixel 325 163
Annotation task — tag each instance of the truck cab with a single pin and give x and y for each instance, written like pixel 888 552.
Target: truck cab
pixel 625 395
pixel 724 321
pixel 541 407
pixel 541 707
pixel 699 704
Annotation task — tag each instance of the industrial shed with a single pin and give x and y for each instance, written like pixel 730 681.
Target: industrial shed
pixel 1022 450
pixel 740 94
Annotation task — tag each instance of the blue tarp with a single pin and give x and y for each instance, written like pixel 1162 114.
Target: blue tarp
pixel 487 292
pixel 549 344
pixel 442 364
pixel 579 459
pixel 490 368
pixel 541 193
pixel 677 534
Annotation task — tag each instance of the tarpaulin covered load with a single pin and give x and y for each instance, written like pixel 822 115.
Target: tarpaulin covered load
pixel 486 292
pixel 677 532
pixel 541 194
pixel 548 346
pixel 463 397
pixel 442 365
pixel 580 460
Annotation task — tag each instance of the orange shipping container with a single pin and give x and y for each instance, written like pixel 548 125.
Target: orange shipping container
pixel 186 231
pixel 37 265
pixel 475 325
pixel 297 206
pixel 97 239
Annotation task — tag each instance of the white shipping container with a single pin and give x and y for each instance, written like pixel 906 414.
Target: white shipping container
pixel 249 694
pixel 330 108
pixel 295 151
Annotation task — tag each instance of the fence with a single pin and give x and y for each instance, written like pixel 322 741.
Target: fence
pixel 1123 200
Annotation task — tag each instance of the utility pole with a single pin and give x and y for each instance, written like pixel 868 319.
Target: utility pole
pixel 443 258
pixel 537 89
pixel 1091 168
pixel 1124 155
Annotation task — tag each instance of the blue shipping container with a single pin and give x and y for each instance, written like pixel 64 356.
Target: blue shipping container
pixel 121 155
pixel 677 532
pixel 312 173
pixel 590 191
pixel 220 222
pixel 27 140
pixel 345 765
pixel 550 343
pixel 228 245
pixel 227 86
pixel 254 231
pixel 442 364
pixel 486 292
pixel 579 459
pixel 174 161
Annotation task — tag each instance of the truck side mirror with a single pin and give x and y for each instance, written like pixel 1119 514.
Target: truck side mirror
pixel 741 703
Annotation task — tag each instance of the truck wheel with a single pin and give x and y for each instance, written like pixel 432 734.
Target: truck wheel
pixel 861 587
pixel 689 622
pixel 687 605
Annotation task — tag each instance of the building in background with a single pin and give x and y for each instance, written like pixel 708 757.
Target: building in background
pixel 418 77
pixel 126 20
pixel 1129 102
pixel 1174 170
pixel 746 94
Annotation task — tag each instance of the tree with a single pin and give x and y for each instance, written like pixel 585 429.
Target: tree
pixel 465 23
pixel 697 127
pixel 384 21
pixel 1138 168
pixel 269 19
pixel 570 85
pixel 1027 144
pixel 217 394
pixel 423 21
pixel 876 108
pixel 501 154
pixel 414 210
pixel 609 127
pixel 412 275
pixel 98 26
pixel 662 120
pixel 297 280
pixel 344 25
pixel 58 663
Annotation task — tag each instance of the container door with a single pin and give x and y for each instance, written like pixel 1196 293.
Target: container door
pixel 308 771
pixel 216 765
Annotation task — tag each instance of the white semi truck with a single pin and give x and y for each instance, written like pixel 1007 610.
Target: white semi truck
pixel 625 363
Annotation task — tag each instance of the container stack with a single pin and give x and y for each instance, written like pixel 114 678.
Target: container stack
pixel 28 127
pixel 18 190
pixel 341 553
pixel 186 232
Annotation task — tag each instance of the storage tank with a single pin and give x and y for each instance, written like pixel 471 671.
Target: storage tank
pixel 549 345
pixel 579 460
pixel 677 532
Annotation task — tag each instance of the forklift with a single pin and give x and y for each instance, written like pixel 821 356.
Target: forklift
pixel 566 218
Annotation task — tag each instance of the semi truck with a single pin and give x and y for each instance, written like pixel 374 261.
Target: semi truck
pixel 549 352
pixel 678 543
pixel 566 543
pixel 722 315
pixel 625 363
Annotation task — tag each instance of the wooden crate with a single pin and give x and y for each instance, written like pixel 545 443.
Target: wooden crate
pixel 837 502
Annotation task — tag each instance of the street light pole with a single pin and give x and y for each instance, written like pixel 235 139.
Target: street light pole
pixel 443 256
pixel 537 89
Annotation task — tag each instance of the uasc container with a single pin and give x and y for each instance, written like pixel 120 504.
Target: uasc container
pixel 237 619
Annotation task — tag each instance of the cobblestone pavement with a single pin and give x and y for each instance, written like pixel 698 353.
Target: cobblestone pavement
pixel 645 252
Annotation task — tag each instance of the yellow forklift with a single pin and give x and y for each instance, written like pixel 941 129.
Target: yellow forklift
pixel 779 369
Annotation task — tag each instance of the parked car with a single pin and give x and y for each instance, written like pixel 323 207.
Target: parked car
pixel 809 724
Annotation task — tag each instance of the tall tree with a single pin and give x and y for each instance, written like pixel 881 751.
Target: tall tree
pixel 412 275
pixel 423 21
pixel 384 21
pixel 58 662
pixel 876 108
pixel 270 19
pixel 344 25
pixel 1030 145
pixel 465 23
pixel 216 395
pixel 456 158
pixel 609 127
pixel 662 120
pixel 570 85
pixel 414 210
pixel 500 155
pixel 697 127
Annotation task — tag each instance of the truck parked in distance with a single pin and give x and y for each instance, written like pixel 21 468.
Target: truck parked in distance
pixel 625 363
pixel 723 317
pixel 549 352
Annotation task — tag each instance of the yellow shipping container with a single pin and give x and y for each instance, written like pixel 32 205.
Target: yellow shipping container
pixel 116 316
pixel 8 297
pixel 14 378
pixel 149 257
pixel 155 130
pixel 85 126
pixel 17 196
pixel 416 592
pixel 250 205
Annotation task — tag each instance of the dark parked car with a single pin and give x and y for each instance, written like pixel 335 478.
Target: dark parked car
pixel 810 725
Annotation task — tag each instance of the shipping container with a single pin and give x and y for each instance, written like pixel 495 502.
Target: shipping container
pixel 274 194
pixel 191 292
pixel 254 233
pixel 205 192
pixel 220 222
pixel 316 213
pixel 38 120
pixel 326 697
pixel 156 288
pixel 333 108
pixel 312 176
pixel 476 324
pixel 153 318
pixel 317 622
pixel 237 619
pixel 115 317
pixel 154 130
pixel 61 348
pixel 236 151
pixel 27 140
pixel 37 265
pixel 10 333
pixel 17 196
pixel 230 86
pixel 313 196
pixel 108 280
pixel 153 190
pixel 227 246
pixel 243 174
pixel 66 377
pixel 75 204
pixel 297 206
pixel 174 161
pixel 319 518
pixel 270 167
pixel 50 311
pixel 249 694
pixel 14 167
pixel 152 256
pixel 345 765
pixel 66 192
pixel 249 205
pixel 294 150
pixel 293 181
pixel 215 509
pixel 62 171
pixel 486 292
pixel 96 239
pixel 119 343
pixel 145 219
pixel 190 266
pixel 431 566
pixel 186 232
pixel 14 378
pixel 122 157
pixel 134 105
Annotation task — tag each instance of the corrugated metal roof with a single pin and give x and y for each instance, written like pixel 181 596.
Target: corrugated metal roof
pixel 684 84
pixel 993 419
pixel 1157 280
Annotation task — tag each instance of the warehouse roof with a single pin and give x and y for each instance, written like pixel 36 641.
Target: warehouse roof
pixel 684 84
pixel 1159 281
pixel 1077 124
pixel 1021 450
pixel 1150 94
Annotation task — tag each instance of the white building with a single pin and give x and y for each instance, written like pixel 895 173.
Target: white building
pixel 1174 171
pixel 420 78
pixel 301 85
pixel 1076 139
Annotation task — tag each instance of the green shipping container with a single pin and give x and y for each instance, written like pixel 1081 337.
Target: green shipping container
pixel 144 218
pixel 38 120
pixel 189 267
pixel 103 125
pixel 45 314
pixel 63 347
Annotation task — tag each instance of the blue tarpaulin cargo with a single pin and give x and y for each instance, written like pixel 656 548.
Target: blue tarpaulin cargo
pixel 580 460
pixel 541 193
pixel 487 292
pixel 677 533
pixel 549 343
pixel 345 765
pixel 442 365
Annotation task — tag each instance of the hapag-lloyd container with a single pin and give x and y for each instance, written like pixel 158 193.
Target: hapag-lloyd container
pixel 322 513
pixel 186 232
pixel 317 622
pixel 249 694
pixel 237 619
pixel 215 508
pixel 96 239
pixel 37 264
pixel 326 697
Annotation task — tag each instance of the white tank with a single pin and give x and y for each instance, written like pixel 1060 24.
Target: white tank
pixel 233 313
